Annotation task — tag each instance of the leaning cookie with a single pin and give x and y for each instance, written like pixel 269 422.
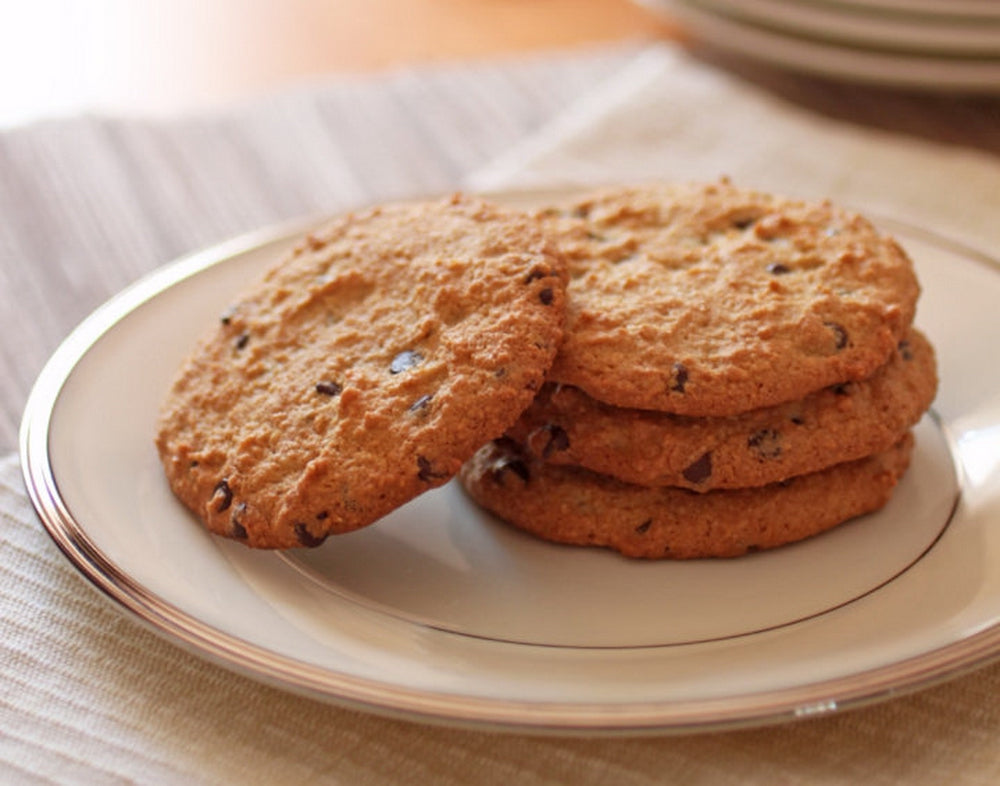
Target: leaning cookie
pixel 575 506
pixel 837 424
pixel 714 300
pixel 363 370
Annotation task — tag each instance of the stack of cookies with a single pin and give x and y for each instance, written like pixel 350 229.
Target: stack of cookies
pixel 669 371
pixel 739 371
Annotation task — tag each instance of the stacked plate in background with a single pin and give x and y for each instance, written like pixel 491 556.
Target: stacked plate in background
pixel 930 44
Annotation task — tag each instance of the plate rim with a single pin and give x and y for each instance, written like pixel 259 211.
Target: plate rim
pixel 156 613
pixel 829 59
pixel 928 9
pixel 888 35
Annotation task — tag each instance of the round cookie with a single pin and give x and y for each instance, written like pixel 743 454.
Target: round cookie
pixel 714 300
pixel 363 370
pixel 575 506
pixel 837 424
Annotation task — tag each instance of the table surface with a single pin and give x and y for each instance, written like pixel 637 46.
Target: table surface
pixel 60 56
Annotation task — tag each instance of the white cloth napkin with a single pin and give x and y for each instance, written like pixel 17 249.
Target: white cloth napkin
pixel 87 695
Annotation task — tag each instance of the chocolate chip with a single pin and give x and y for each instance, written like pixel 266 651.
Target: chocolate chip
pixel 306 538
pixel 546 296
pixel 700 470
pixel 839 334
pixel 679 377
pixel 644 527
pixel 905 350
pixel 242 340
pixel 777 269
pixel 421 403
pixel 425 471
pixel 798 421
pixel 328 388
pixel 237 529
pixel 558 440
pixel 193 464
pixel 535 273
pixel 404 361
pixel 766 443
pixel 515 465
pixel 322 515
pixel 226 498
pixel 840 390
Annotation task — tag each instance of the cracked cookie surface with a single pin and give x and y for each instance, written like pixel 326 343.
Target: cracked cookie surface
pixel 714 300
pixel 363 370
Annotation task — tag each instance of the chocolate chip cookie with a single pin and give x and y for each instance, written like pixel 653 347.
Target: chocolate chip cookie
pixel 840 423
pixel 576 506
pixel 711 300
pixel 363 370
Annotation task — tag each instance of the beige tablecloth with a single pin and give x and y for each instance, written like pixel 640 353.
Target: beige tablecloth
pixel 87 695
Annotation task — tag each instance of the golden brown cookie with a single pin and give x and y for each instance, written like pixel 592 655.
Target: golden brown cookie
pixel 363 370
pixel 576 506
pixel 840 423
pixel 715 300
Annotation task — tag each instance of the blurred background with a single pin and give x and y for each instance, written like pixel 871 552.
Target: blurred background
pixel 58 57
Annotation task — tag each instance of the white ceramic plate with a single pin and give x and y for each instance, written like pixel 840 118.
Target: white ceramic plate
pixel 442 613
pixel 969 9
pixel 827 58
pixel 858 26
